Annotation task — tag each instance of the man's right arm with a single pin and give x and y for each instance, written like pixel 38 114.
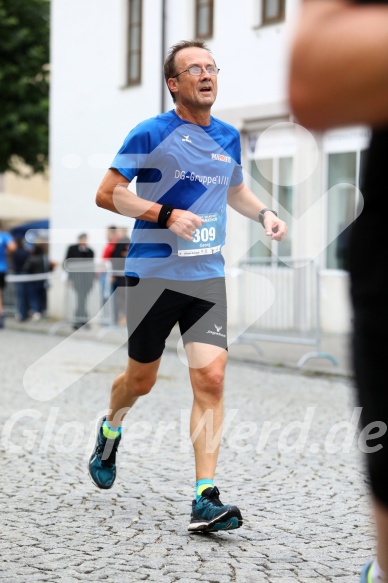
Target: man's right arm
pixel 113 195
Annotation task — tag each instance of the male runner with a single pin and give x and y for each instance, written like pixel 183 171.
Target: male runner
pixel 188 168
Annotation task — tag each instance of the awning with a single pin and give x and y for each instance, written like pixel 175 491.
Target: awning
pixel 21 208
pixel 35 229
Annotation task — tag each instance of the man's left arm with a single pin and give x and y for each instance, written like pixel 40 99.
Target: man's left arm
pixel 242 200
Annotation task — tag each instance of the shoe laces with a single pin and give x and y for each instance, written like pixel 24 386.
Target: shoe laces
pixel 213 494
pixel 103 441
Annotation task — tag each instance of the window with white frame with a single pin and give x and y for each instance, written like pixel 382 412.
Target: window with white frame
pixel 343 181
pixel 273 11
pixel 134 54
pixel 344 159
pixel 204 17
pixel 270 155
pixel 271 181
pixel 273 157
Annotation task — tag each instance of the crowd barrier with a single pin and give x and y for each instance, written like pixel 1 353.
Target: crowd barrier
pixel 10 291
pixel 288 288
pixel 87 295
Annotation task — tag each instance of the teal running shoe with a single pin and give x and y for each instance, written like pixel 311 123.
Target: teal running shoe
pixel 366 575
pixel 102 462
pixel 210 515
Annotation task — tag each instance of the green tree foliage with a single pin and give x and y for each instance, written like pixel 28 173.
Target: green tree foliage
pixel 24 84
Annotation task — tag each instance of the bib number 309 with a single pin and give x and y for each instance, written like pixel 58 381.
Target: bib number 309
pixel 204 234
pixel 206 239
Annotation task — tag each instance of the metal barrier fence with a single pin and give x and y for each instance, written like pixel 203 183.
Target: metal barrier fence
pixel 83 301
pixel 13 288
pixel 288 289
pixel 9 297
pixel 86 295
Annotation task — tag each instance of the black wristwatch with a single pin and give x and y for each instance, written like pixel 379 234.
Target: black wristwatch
pixel 262 212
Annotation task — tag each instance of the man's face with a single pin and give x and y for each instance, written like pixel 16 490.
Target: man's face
pixel 194 92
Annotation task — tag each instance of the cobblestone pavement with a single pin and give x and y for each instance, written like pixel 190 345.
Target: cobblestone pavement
pixel 289 459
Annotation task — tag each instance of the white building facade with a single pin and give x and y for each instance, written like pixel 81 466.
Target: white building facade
pixel 107 62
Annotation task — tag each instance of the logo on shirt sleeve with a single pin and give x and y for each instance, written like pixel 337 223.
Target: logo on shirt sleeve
pixel 221 158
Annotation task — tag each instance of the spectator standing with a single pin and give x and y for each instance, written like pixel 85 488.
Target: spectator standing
pixel 19 259
pixel 118 257
pixel 81 277
pixel 37 264
pixel 106 288
pixel 7 245
pixel 112 236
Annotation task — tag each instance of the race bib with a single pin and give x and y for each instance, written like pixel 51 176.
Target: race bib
pixel 206 239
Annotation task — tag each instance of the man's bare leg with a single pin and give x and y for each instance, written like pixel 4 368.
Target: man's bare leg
pixel 207 378
pixel 208 386
pixel 137 380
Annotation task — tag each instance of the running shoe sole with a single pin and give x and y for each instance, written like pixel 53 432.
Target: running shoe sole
pixel 226 521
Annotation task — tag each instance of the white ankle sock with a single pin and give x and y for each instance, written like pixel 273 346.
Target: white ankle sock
pixel 378 576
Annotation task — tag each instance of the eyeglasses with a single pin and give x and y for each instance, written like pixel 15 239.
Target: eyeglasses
pixel 196 71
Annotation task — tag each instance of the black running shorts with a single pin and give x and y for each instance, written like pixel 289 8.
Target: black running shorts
pixel 155 305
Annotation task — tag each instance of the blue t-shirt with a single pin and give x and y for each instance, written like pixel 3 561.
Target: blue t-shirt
pixel 5 238
pixel 189 167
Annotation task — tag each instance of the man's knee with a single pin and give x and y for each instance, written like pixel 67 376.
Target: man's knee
pixel 140 382
pixel 208 384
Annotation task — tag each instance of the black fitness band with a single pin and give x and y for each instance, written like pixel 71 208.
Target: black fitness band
pixel 262 212
pixel 164 215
